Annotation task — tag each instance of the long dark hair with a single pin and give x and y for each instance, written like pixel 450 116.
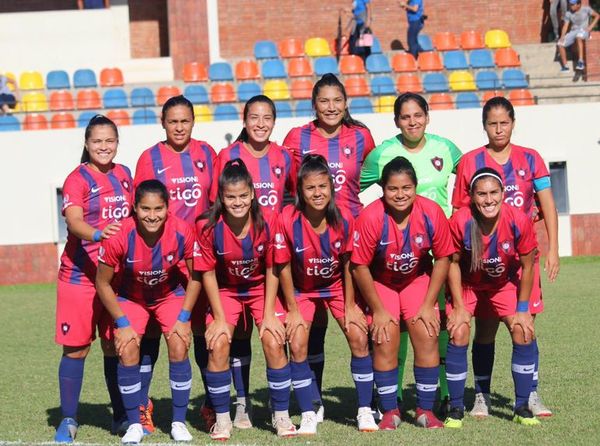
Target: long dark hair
pixel 497 101
pixel 397 166
pixel 316 165
pixel 243 136
pixel 151 187
pixel 331 80
pixel 408 96
pixel 95 122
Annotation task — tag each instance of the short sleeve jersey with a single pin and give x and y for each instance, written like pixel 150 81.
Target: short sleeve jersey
pixel 239 264
pixel 104 198
pixel 518 174
pixel 418 14
pixel 514 235
pixel 580 20
pixel 434 164
pixel 359 10
pixel 315 258
pixel 149 275
pixel 397 256
pixel 271 174
pixel 188 176
pixel 344 153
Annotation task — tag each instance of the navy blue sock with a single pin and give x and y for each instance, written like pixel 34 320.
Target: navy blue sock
pixel 482 357
pixel 279 381
pixel 302 381
pixel 219 385
pixel 110 376
pixel 316 358
pixel 180 375
pixel 240 357
pixel 534 384
pixel 201 355
pixel 387 386
pixel 456 374
pixel 130 386
pixel 523 365
pixel 70 379
pixel 426 380
pixel 362 374
pixel 149 350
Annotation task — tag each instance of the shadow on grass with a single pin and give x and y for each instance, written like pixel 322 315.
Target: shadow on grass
pixel 98 415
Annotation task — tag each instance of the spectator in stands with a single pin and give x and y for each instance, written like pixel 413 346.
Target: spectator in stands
pixel 416 20
pixel 361 21
pixel 8 99
pixel 578 17
pixel 554 15
pixel 93 4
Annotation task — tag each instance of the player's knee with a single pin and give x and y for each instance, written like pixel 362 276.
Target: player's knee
pixel 461 335
pixel 299 348
pixel 273 350
pixel 177 350
pixel 218 357
pixel 358 342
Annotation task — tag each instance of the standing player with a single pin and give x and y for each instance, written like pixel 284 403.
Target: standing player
pixel 392 267
pixel 494 240
pixel 96 196
pixel 525 179
pixel 146 254
pixel 236 265
pixel 434 159
pixel 312 249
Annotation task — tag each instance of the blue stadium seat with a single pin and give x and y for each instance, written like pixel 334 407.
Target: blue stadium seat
pixel 383 85
pixel 145 116
pixel 284 109
pixel 514 78
pixel 455 60
pixel 115 98
pixel 425 42
pixel 246 90
pixel 57 80
pixel 378 63
pixel 376 47
pixel 273 69
pixel 361 105
pixel 84 78
pixel 487 80
pixel 9 123
pixel 324 65
pixel 220 71
pixel 84 118
pixel 197 94
pixel 142 97
pixel 467 99
pixel 304 109
pixel 482 58
pixel 435 82
pixel 265 49
pixel 226 112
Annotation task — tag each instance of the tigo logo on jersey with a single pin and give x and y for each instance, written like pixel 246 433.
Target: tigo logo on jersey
pixel 152 277
pixel 189 196
pixel 116 212
pixel 322 267
pixel 243 268
pixel 269 200
pixel 404 263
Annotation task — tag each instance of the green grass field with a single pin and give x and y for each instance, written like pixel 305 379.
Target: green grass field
pixel 570 385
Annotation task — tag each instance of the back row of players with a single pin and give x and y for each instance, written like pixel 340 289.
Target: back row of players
pixel 283 266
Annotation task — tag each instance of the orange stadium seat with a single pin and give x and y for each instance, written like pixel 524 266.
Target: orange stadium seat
pixel 356 86
pixel 489 95
pixel 445 41
pixel 497 38
pixel 507 57
pixel 202 113
pixel 195 72
pixel 291 48
pixel 35 121
pixel 34 101
pixel 119 117
pixel 409 82
pixel 165 93
pixel 430 61
pixel 316 47
pixel 299 67
pixel 521 97
pixel 63 120
pixel 246 70
pixel 31 80
pixel 88 99
pixel 345 46
pixel 301 89
pixel 111 77
pixel 471 40
pixel 61 100
pixel 441 101
pixel 222 92
pixel 276 89
pixel 404 62
pixel 352 64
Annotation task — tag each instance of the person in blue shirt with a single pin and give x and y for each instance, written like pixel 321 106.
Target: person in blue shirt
pixel 361 18
pixel 416 19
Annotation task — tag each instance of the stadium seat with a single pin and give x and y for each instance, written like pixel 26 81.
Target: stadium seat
pixel 514 78
pixel 202 113
pixel 223 92
pixel 220 71
pixel 430 61
pixel 265 49
pixel 299 67
pixel 507 57
pixel 489 95
pixel 84 78
pixel 115 98
pixel 385 104
pixel 382 85
pixel 111 77
pixel 352 64
pixel 404 62
pixel 376 47
pixel 425 42
pixel 301 89
pixel 441 101
pixel 471 40
pixel 197 94
pixel 409 82
pixel 521 97
pixel 9 123
pixel 246 70
pixel 195 72
pixel 435 82
pixel 455 60
pixel 61 100
pixel 246 90
pixel 481 58
pixel 276 89
pixel 361 105
pixel 378 63
pixel 62 121
pixel 289 48
pixel 35 121
pixel 12 76
pixel 324 65
pixel 119 117
pixel 142 97
pixel 356 86
pixel 165 93
pixel 144 116
pixel 273 69
pixel 226 112
pixel 461 81
pixel 84 118
pixel 445 41
pixel 316 47
pixel 497 38
pixel 487 80
pixel 284 109
pixel 57 80
pixel 345 46
pixel 31 80
pixel 467 100
pixel 34 101
pixel 304 109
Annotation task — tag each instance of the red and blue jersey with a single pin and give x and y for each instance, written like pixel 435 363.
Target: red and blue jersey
pixel 104 198
pixel 344 153
pixel 514 235
pixel 271 174
pixel 523 174
pixel 317 269
pixel 149 274
pixel 397 256
pixel 187 176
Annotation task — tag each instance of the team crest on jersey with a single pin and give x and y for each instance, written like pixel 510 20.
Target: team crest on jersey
pixel 200 165
pixel 521 173
pixel 337 244
pixel 260 248
pixel 347 151
pixel 418 238
pixel 64 327
pixel 169 257
pixel 125 184
pixel 277 171
pixel 506 246
pixel 438 163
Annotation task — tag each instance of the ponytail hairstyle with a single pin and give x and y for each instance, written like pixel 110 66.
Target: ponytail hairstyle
pixel 243 136
pixel 94 122
pixel 174 102
pixel 316 165
pixel 330 80
pixel 476 223
pixel 151 187
pixel 233 172
pixel 409 96
pixel 397 166
pixel 497 101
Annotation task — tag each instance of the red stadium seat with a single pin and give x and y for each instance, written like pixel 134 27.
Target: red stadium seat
pixel 521 97
pixel 352 64
pixel 111 77
pixel 222 92
pixel 291 48
pixel 61 100
pixel 409 82
pixel 430 61
pixel 489 95
pixel 471 40
pixel 299 67
pixel 301 89
pixel 119 117
pixel 507 57
pixel 345 47
pixel 246 70
pixel 166 93
pixel 88 100
pixel 63 121
pixel 356 86
pixel 404 62
pixel 445 41
pixel 441 101
pixel 195 72
pixel 35 121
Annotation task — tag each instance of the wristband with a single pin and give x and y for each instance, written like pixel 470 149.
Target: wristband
pixel 522 306
pixel 97 236
pixel 184 316
pixel 122 322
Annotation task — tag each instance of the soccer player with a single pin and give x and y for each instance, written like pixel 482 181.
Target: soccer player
pixel 237 274
pixel 494 241
pixel 526 180
pixel 96 196
pixel 434 158
pixel 392 267
pixel 312 249
pixel 185 166
pixel 148 282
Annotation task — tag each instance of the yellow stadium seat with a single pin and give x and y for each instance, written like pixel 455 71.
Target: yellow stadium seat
pixel 276 89
pixel 202 113
pixel 12 76
pixel 385 104
pixel 497 38
pixel 31 80
pixel 34 101
pixel 461 81
pixel 317 47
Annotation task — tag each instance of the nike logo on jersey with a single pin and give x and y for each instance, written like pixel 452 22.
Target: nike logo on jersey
pixel 278 246
pixel 537 304
pixel 132 260
pixel 95 189
pixel 160 171
pixel 304 152
pixel 299 250
pixel 382 243
pixel 279 314
pixel 222 253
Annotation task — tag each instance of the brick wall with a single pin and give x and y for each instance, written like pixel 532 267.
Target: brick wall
pixel 148 27
pixel 592 57
pixel 585 237
pixel 35 263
